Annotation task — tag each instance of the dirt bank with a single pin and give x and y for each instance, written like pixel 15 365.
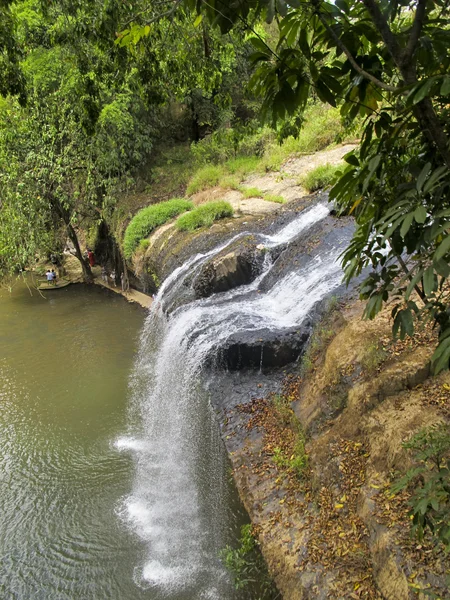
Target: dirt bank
pixel 326 519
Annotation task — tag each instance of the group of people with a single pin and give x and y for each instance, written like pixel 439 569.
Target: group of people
pixel 112 276
pixel 51 276
pixel 90 257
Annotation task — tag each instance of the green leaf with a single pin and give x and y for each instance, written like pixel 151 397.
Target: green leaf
pixel 373 163
pixel 435 176
pixel 423 90
pixel 442 268
pixel 270 11
pixel 442 249
pixel 303 43
pixel 342 5
pixel 352 159
pixel 423 175
pixel 420 214
pixel 198 20
pixel 441 356
pixel 406 224
pixel 404 322
pixel 414 281
pixel 259 45
pixel 282 7
pixel 445 87
pixel 429 281
pixel 324 93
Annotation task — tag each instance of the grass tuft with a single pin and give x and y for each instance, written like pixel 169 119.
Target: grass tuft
pixel 319 178
pixel 274 198
pixel 251 192
pixel 206 177
pixel 148 219
pixel 229 182
pixel 204 215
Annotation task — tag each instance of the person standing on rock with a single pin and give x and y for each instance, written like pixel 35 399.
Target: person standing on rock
pixel 91 257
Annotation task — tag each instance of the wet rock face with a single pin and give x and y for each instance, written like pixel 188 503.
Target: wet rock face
pixel 264 349
pixel 234 267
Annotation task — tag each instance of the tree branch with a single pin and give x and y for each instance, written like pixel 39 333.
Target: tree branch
pixel 383 27
pixel 167 13
pixel 419 292
pixel 416 30
pixel 351 60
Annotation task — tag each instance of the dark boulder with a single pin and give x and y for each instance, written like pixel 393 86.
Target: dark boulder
pixel 263 349
pixel 237 265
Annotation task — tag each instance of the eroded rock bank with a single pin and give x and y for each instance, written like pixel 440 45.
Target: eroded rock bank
pixel 317 483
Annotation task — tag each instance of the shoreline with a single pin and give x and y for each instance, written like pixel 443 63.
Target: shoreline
pixel 132 295
pixel 74 274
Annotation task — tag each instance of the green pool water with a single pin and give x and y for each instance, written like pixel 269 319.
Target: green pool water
pixel 65 362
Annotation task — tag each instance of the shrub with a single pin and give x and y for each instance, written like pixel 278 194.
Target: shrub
pixel 215 148
pixel 320 177
pixel 257 144
pixel 321 127
pixel 246 565
pixel 228 143
pixel 204 215
pixel 147 219
pixel 204 178
pixel 429 482
pixel 373 357
pixel 321 336
pixel 293 458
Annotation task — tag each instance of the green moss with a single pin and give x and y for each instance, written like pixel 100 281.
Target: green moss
pixel 147 219
pixel 204 215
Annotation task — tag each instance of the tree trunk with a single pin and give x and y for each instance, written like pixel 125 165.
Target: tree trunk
pixel 85 266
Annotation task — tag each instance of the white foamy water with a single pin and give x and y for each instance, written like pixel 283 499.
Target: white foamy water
pixel 132 444
pixel 178 504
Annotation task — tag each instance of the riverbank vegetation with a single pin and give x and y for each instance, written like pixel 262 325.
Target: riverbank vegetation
pixel 100 91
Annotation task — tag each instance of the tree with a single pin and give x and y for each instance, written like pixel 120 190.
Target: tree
pixel 82 133
pixel 387 62
pixel 94 112
pixel 11 77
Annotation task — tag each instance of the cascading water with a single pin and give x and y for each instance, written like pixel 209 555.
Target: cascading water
pixel 178 449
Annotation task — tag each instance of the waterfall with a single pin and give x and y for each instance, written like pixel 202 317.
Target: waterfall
pixel 178 504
